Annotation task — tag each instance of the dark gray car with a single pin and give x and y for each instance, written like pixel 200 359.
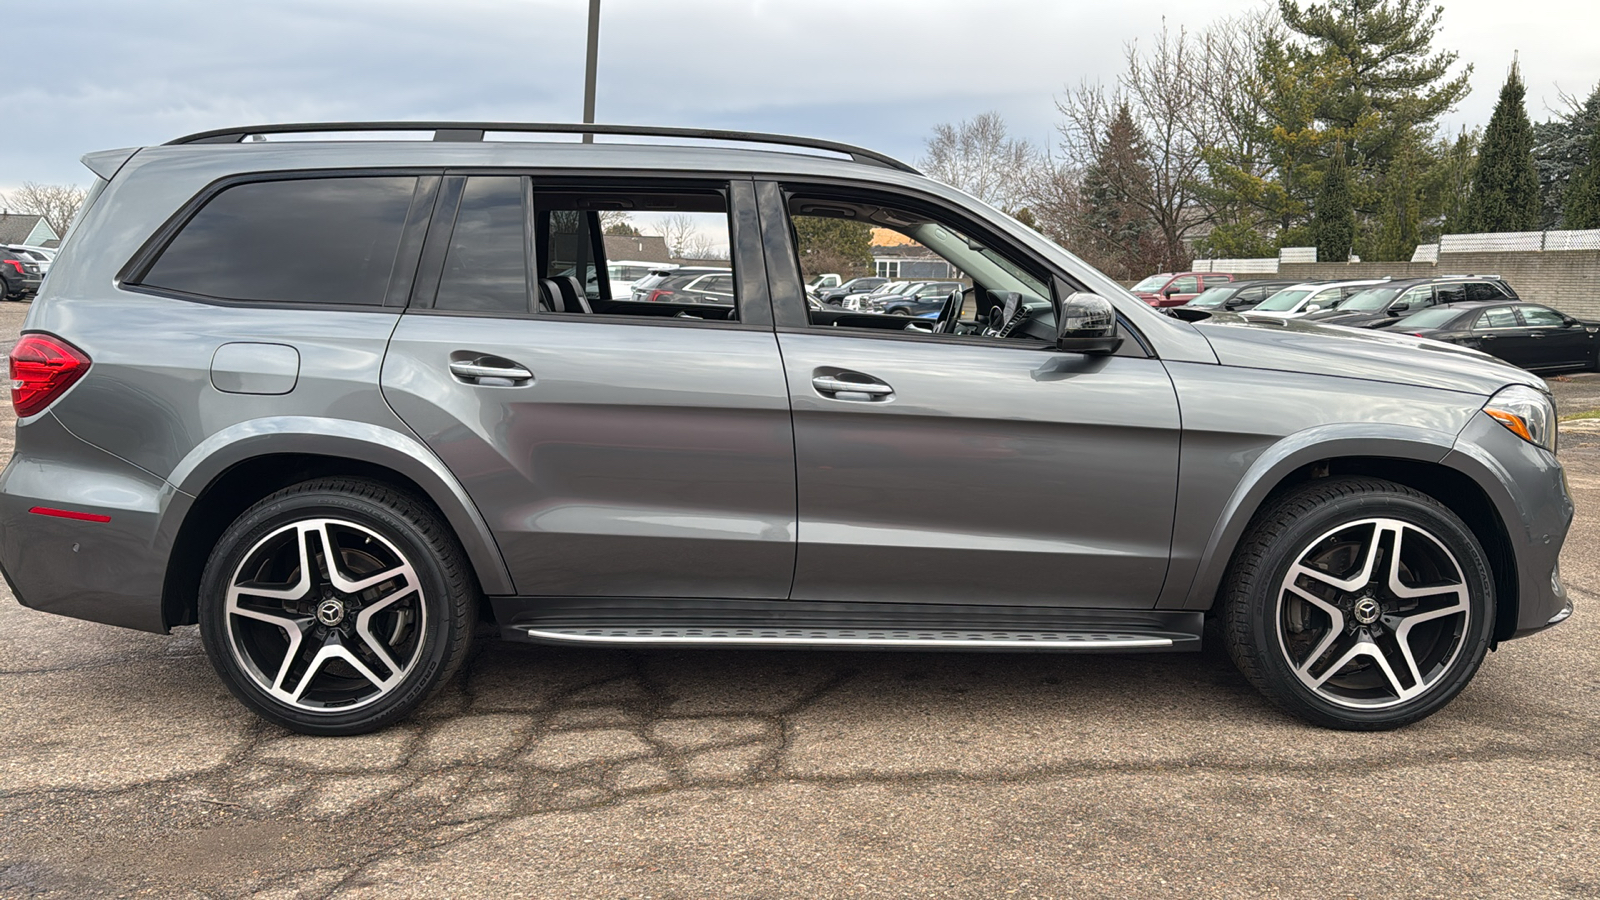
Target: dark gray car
pixel 444 417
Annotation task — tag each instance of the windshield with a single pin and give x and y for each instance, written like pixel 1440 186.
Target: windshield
pixel 1212 296
pixel 1370 300
pixel 1154 282
pixel 1430 318
pixel 1282 301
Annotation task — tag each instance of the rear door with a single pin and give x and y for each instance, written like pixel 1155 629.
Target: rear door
pixel 632 450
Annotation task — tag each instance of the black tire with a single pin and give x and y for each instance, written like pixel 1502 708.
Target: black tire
pixel 902 311
pixel 1284 636
pixel 396 641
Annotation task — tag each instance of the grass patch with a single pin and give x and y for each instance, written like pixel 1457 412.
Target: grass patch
pixel 1588 414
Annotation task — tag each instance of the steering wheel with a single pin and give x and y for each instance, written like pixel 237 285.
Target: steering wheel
pixel 949 313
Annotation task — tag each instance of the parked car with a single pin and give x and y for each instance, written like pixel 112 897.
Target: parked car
pixel 686 284
pixel 1236 296
pixel 1306 298
pixel 854 286
pixel 627 272
pixel 1528 335
pixel 820 283
pixel 20 274
pixel 1384 304
pixel 929 297
pixel 1177 288
pixel 37 254
pixel 343 470
pixel 871 301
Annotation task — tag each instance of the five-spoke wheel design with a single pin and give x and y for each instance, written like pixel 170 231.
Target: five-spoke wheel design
pixel 325 614
pixel 1355 602
pixel 337 605
pixel 1373 613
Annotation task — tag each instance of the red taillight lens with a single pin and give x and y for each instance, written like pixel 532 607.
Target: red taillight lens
pixel 14 263
pixel 42 368
pixel 656 296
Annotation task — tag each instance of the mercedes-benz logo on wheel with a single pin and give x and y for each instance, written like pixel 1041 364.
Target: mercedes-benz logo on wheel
pixel 330 612
pixel 1367 610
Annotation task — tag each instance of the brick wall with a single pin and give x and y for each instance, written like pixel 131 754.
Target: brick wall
pixel 1568 280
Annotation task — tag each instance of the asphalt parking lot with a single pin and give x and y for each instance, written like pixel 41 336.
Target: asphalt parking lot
pixel 128 770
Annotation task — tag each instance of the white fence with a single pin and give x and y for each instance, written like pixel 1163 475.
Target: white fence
pixel 1520 241
pixel 1267 266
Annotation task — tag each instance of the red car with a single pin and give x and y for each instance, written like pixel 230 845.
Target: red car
pixel 1177 288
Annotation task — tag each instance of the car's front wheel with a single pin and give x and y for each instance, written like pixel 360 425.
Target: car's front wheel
pixel 336 606
pixel 1358 603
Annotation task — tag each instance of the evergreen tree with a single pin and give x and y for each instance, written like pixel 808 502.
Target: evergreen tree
pixel 1505 186
pixel 1561 150
pixel 1333 218
pixel 1581 205
pixel 1115 218
pixel 837 246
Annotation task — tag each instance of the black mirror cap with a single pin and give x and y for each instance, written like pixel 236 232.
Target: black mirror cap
pixel 1087 323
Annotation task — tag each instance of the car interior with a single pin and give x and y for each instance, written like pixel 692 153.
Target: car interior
pixel 997 297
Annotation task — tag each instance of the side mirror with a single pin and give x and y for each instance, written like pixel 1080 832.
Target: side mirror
pixel 1087 323
pixel 1568 321
pixel 1400 308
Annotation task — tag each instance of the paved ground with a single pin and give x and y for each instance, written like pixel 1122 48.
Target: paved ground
pixel 128 770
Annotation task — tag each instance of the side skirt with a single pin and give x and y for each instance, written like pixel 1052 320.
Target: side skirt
pixel 839 625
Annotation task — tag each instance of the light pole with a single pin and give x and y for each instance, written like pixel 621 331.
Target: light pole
pixel 588 78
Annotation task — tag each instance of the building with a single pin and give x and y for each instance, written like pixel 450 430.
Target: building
pixel 896 256
pixel 26 228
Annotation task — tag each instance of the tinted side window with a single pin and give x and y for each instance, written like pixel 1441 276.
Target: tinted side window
pixel 1499 317
pixel 486 267
pixel 1480 290
pixel 314 240
pixel 1539 317
pixel 1450 293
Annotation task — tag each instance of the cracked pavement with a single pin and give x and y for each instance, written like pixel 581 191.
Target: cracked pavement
pixel 128 770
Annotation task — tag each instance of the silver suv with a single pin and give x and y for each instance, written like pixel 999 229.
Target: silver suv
pixel 347 403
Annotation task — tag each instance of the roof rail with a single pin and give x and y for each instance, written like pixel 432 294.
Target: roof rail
pixel 474 131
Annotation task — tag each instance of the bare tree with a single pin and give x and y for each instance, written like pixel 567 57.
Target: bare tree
pixel 1162 89
pixel 684 239
pixel 979 157
pixel 57 203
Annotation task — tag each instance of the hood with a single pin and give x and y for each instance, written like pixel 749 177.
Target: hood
pixel 1295 345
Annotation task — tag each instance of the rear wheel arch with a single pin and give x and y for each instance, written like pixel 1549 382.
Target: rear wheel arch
pixel 231 491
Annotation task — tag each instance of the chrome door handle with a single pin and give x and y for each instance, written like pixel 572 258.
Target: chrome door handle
pixel 473 371
pixel 829 384
pixel 1537 334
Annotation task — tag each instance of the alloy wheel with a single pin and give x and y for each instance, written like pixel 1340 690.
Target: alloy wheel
pixel 1373 613
pixel 325 615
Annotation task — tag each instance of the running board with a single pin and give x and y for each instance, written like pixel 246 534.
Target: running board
pixel 793 624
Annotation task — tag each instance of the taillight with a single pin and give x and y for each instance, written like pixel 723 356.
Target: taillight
pixel 14 263
pixel 42 368
pixel 655 296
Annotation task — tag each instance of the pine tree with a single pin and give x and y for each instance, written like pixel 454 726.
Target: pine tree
pixel 1581 203
pixel 1505 186
pixel 1333 217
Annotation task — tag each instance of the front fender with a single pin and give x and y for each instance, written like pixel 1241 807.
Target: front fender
pixel 346 439
pixel 1225 526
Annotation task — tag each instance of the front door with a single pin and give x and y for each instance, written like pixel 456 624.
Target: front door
pixel 616 449
pixel 969 467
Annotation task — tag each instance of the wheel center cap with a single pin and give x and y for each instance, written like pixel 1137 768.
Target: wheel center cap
pixel 330 612
pixel 1367 610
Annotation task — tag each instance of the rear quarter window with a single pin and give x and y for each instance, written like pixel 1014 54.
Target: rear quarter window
pixel 305 241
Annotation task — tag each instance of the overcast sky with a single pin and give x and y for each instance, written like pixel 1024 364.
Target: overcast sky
pixel 88 75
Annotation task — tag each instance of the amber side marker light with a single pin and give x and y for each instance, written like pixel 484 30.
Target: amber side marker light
pixel 69 514
pixel 1513 422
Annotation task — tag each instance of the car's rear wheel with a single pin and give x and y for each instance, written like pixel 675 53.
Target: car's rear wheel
pixel 1358 603
pixel 902 311
pixel 336 606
